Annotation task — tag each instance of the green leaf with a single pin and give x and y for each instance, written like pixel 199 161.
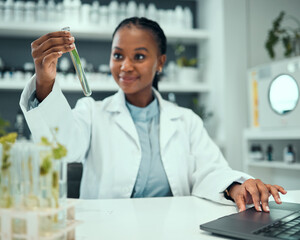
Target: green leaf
pixel 46 165
pixel 287 43
pixel 44 141
pixel 59 152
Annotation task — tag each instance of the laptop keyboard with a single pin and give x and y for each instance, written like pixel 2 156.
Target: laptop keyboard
pixel 287 228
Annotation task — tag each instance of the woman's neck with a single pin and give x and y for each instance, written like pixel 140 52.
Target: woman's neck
pixel 140 99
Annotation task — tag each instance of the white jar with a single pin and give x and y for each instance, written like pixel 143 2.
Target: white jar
pixel 51 11
pixel 122 11
pixel 41 11
pixel 67 15
pixel 113 8
pixel 103 16
pixel 187 75
pixel 94 17
pixel 29 11
pixel 179 17
pixel 131 9
pixel 1 10
pixel 141 10
pixel 76 11
pixel 19 11
pixel 85 14
pixel 8 11
pixel 188 16
pixel 59 12
pixel 152 12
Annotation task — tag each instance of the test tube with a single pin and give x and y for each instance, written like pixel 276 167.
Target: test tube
pixel 79 69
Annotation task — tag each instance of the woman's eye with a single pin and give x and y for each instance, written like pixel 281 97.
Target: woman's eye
pixel 139 56
pixel 117 56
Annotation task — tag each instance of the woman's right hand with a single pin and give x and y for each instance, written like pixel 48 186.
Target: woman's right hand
pixel 45 52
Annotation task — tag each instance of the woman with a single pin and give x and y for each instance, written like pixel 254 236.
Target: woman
pixel 134 143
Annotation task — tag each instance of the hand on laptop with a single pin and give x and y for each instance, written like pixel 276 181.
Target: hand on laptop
pixel 254 191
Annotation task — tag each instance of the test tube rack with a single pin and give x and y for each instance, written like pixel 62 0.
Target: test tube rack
pixel 32 223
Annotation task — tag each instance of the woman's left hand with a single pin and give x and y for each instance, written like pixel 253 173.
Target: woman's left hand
pixel 256 192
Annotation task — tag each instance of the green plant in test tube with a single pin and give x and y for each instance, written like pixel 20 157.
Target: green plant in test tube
pixel 56 168
pixel 6 200
pixel 79 69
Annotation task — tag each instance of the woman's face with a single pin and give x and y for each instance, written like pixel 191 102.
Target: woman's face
pixel 135 59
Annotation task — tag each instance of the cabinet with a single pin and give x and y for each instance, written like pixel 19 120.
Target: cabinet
pixel 275 171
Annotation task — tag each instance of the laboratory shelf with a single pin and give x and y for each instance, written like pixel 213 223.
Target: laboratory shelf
pixel 275 164
pixel 272 134
pixel 112 87
pixel 91 32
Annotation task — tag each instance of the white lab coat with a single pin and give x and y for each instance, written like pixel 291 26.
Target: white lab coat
pixel 102 134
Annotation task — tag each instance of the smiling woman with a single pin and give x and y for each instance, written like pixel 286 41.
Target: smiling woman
pixel 137 57
pixel 134 143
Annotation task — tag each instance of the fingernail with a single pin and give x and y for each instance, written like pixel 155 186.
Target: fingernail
pixel 60 52
pixel 279 200
pixel 268 209
pixel 71 38
pixel 259 209
pixel 72 45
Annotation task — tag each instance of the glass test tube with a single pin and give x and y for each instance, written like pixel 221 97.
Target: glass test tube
pixel 79 69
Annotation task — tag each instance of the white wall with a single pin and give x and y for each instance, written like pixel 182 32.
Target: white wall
pixel 235 91
pixel 227 64
pixel 261 14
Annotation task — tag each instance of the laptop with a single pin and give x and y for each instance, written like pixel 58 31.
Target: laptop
pixel 282 222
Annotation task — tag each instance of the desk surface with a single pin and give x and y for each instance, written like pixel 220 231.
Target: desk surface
pixel 152 218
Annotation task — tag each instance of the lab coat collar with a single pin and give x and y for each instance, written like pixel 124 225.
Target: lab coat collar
pixel 118 104
pixel 169 114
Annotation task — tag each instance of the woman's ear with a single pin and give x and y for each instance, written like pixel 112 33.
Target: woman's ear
pixel 161 62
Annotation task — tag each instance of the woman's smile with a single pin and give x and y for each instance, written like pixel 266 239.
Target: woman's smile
pixel 127 79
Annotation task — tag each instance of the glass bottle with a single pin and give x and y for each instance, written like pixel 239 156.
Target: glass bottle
pixel 289 155
pixel 269 153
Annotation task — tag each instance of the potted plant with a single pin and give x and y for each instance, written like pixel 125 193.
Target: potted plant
pixel 187 71
pixel 289 36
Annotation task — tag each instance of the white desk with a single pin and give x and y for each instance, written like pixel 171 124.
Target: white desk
pixel 151 218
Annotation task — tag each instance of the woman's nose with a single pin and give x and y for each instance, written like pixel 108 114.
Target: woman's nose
pixel 127 65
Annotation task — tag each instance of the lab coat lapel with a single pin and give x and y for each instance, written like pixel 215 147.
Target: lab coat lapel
pixel 122 117
pixel 167 130
pixel 125 122
pixel 169 116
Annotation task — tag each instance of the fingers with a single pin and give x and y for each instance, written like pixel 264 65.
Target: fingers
pixel 57 50
pixel 280 189
pixel 47 36
pixel 63 44
pixel 51 58
pixel 253 190
pixel 61 41
pixel 264 195
pixel 53 45
pixel 274 190
pixel 259 194
pixel 241 202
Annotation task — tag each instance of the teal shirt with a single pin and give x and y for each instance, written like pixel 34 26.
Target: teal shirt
pixel 151 180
